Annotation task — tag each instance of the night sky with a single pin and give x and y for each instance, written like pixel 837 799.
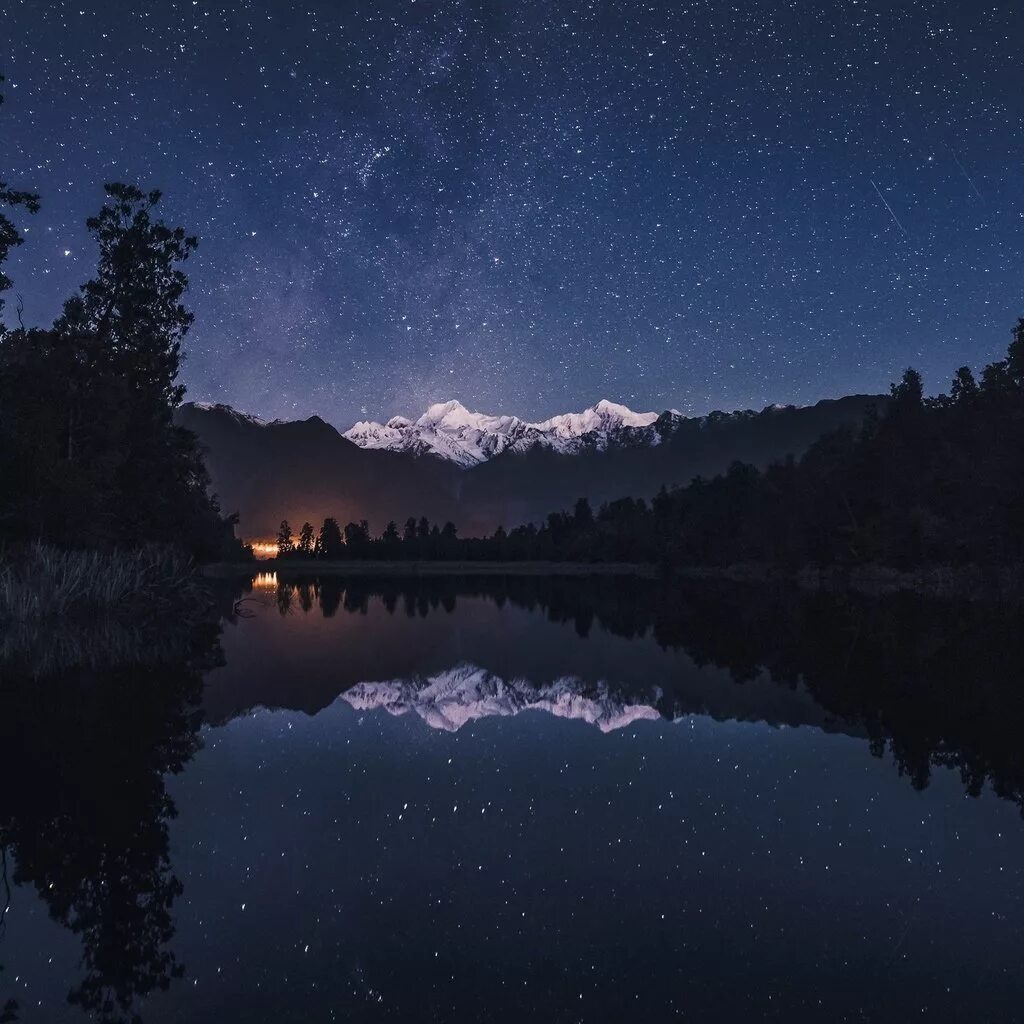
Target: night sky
pixel 530 206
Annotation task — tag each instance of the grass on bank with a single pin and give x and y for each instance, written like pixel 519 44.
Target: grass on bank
pixel 40 581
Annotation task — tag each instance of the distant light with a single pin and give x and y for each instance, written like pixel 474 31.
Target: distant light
pixel 264 548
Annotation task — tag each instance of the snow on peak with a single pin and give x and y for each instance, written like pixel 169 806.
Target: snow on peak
pixel 450 431
pixel 454 417
pixel 453 412
pixel 624 416
pixel 603 416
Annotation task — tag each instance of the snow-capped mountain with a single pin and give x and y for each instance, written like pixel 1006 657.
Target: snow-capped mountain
pixel 448 430
pixel 306 470
pixel 451 699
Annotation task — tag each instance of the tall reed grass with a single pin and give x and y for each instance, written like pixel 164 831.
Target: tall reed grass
pixel 40 582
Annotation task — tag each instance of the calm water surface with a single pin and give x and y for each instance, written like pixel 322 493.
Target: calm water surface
pixel 518 800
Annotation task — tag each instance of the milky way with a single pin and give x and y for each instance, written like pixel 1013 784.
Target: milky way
pixel 530 206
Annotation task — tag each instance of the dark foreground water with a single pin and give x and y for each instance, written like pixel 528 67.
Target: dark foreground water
pixel 517 800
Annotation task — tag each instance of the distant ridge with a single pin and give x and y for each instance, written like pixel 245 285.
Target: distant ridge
pixel 482 471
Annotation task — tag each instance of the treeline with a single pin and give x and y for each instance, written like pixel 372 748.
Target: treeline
pixel 89 454
pixel 933 481
pixel 418 540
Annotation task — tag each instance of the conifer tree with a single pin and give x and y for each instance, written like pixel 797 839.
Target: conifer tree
pixel 329 542
pixel 306 537
pixel 908 395
pixel 285 543
pixel 964 388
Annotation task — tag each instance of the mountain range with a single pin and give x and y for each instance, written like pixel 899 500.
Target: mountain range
pixel 450 431
pixel 480 470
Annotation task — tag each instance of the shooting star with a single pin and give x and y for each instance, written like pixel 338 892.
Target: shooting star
pixel 888 207
pixel 963 171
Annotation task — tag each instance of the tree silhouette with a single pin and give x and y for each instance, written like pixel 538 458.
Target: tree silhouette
pixel 329 542
pixel 9 235
pixel 908 394
pixel 583 515
pixel 285 541
pixel 964 388
pixel 306 540
pixel 88 448
pixel 357 538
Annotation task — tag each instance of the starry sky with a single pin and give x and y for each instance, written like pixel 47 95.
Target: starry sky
pixel 531 206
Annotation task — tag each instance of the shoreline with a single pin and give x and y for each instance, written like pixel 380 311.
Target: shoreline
pixel 969 582
pixel 223 570
pixel 972 582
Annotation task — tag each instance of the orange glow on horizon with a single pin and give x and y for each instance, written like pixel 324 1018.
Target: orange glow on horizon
pixel 264 548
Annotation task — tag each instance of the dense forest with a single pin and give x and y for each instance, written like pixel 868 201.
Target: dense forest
pixel 89 454
pixel 933 481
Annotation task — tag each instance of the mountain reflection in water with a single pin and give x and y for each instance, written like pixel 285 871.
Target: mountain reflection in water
pixel 935 683
pixel 132 833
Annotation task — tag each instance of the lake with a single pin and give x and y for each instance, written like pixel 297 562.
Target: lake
pixel 517 799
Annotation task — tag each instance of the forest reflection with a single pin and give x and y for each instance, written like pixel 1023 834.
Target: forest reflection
pixel 90 732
